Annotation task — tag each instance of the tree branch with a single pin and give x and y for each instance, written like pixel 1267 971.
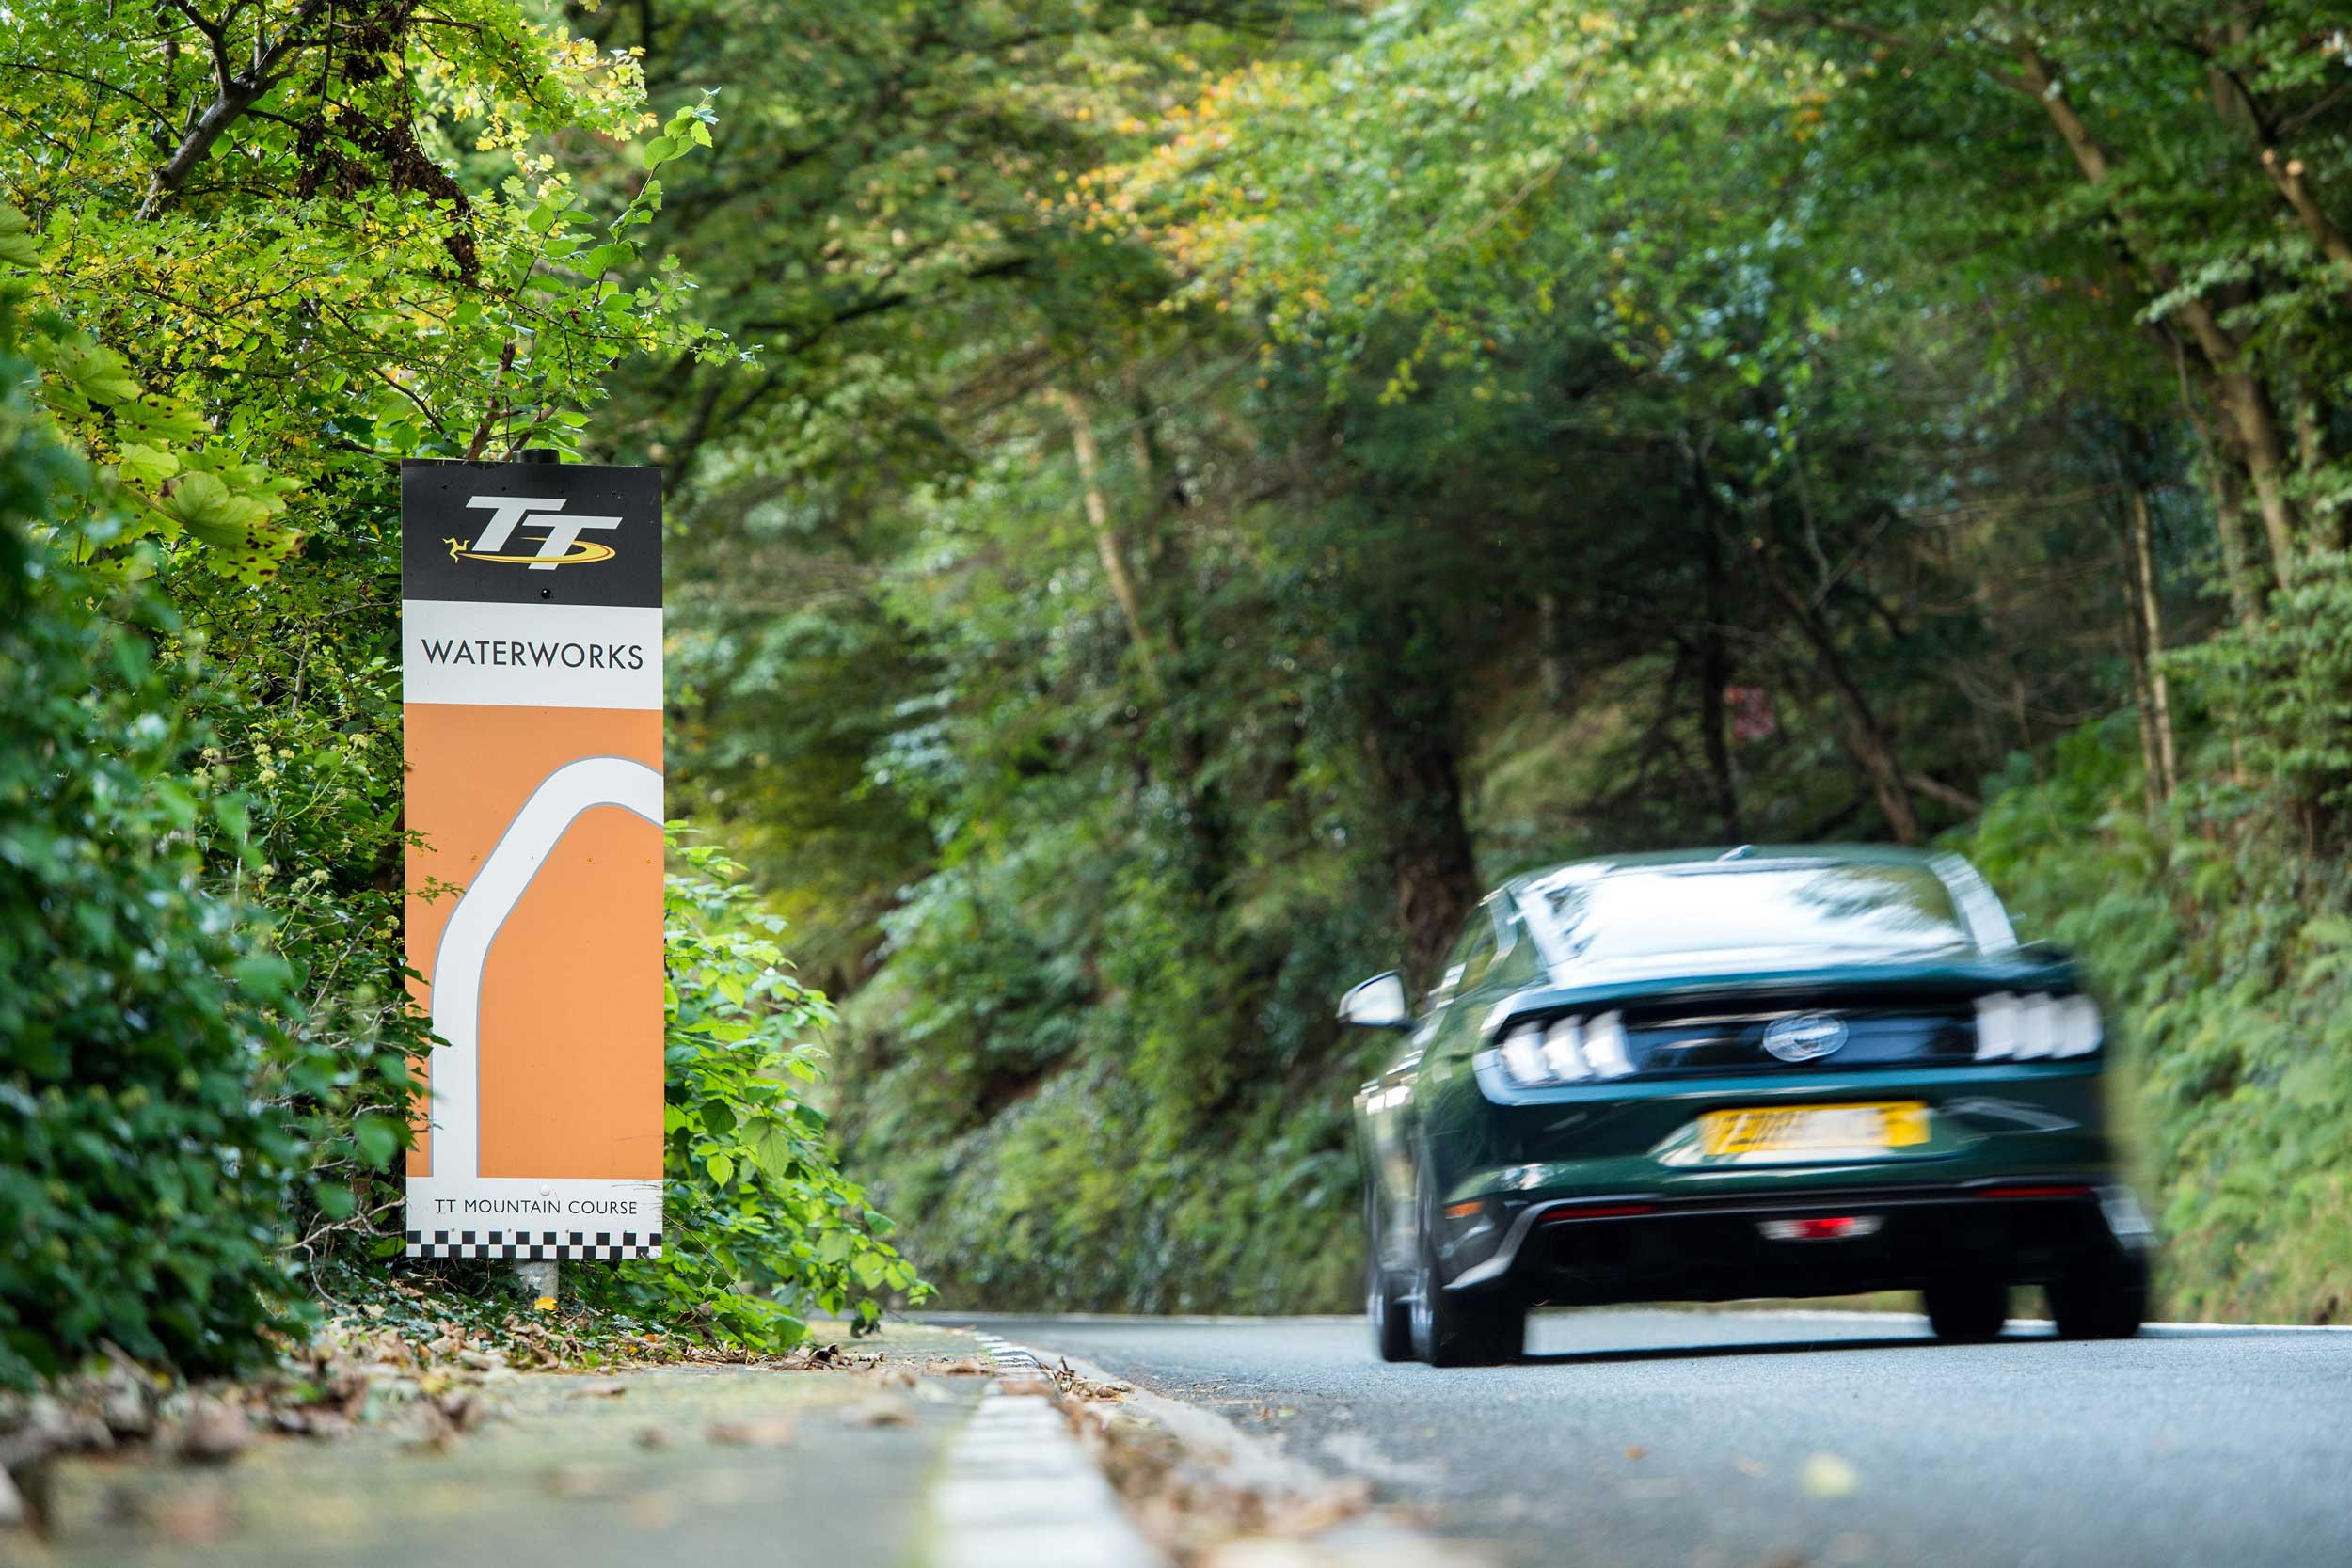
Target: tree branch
pixel 235 94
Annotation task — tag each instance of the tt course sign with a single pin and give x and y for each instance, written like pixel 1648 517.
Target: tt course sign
pixel 531 647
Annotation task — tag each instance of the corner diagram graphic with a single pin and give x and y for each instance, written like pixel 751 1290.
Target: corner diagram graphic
pixel 463 952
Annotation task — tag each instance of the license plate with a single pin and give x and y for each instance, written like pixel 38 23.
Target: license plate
pixel 1803 1129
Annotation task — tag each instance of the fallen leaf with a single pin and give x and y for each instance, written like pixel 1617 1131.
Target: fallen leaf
pixel 962 1366
pixel 545 1304
pixel 1635 1450
pixel 880 1413
pixel 610 1389
pixel 767 1432
pixel 654 1437
pixel 1825 1475
pixel 577 1481
pixel 463 1407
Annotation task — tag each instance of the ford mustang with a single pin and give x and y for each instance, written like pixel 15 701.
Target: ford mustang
pixel 1766 1072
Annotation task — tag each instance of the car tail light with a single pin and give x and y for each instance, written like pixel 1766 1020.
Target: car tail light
pixel 2045 1190
pixel 2018 1028
pixel 1566 1051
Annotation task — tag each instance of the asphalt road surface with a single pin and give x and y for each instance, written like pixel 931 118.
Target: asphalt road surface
pixel 1714 1439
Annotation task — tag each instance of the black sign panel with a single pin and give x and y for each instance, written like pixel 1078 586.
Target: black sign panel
pixel 531 533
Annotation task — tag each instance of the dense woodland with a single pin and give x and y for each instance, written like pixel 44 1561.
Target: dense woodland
pixel 1224 483
pixel 1169 501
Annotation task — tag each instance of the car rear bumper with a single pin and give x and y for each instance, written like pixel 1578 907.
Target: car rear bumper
pixel 1640 1246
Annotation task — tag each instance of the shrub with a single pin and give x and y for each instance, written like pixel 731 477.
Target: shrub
pixel 140 1182
pixel 760 1227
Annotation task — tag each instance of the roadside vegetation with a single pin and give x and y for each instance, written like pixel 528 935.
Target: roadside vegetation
pixel 249 256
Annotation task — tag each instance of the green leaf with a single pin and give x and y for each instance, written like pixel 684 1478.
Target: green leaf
pixel 147 464
pixel 378 1140
pixel 17 246
pixel 98 372
pixel 722 1169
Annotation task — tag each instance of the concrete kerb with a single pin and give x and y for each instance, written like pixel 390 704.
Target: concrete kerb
pixel 1018 1491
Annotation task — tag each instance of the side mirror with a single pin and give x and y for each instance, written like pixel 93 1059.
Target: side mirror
pixel 1377 1004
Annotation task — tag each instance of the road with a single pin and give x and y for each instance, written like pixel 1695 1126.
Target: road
pixel 1648 1438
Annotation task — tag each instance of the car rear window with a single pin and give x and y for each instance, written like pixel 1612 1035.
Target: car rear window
pixel 1854 909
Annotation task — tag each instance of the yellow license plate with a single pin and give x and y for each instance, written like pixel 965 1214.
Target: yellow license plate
pixel 1800 1129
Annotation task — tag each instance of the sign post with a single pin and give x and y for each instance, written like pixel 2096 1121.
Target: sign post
pixel 531 647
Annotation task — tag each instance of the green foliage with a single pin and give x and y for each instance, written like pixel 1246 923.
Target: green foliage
pixel 2220 941
pixel 142 1185
pixel 759 1227
pixel 2286 684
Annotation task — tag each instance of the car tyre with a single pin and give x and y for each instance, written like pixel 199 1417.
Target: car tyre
pixel 1453 1328
pixel 1388 1299
pixel 1966 1310
pixel 2106 1300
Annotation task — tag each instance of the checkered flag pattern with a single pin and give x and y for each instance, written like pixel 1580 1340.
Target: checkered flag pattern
pixel 534 1246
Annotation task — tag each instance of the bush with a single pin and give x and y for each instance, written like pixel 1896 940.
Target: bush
pixel 2285 686
pixel 141 1185
pixel 759 1226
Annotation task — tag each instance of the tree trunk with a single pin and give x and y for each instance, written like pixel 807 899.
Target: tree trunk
pixel 2151 618
pixel 2228 502
pixel 1714 676
pixel 2136 658
pixel 1098 513
pixel 1208 827
pixel 2259 443
pixel 1548 669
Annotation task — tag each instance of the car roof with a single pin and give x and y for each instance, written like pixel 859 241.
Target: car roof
pixel 1737 857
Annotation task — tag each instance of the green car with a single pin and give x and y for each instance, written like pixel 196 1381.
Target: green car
pixel 1768 1072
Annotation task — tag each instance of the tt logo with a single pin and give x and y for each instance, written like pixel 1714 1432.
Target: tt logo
pixel 561 545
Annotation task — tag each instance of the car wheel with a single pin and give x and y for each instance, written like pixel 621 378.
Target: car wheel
pixel 1452 1329
pixel 1967 1310
pixel 2105 1300
pixel 1387 1299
